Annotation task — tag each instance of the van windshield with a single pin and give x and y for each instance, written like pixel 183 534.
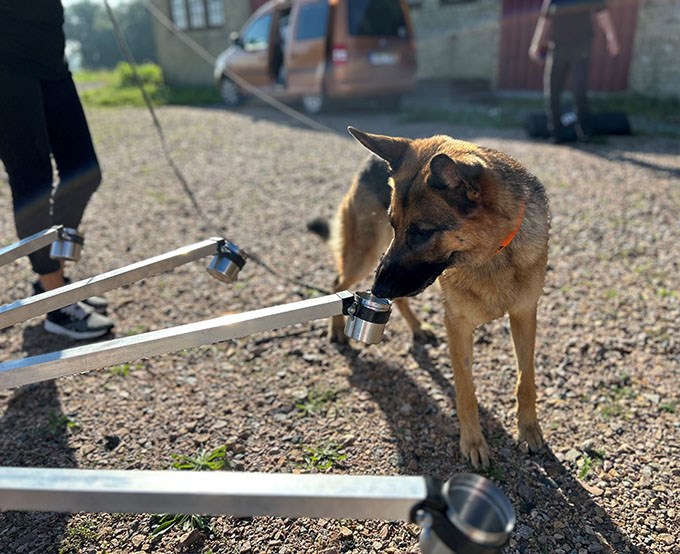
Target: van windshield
pixel 376 18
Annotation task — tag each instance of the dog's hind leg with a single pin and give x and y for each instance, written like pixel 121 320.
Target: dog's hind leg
pixel 472 443
pixel 523 328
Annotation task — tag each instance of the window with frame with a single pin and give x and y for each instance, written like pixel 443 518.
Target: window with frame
pixel 256 36
pixel 197 14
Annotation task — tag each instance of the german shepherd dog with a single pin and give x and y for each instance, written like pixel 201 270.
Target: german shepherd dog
pixel 470 217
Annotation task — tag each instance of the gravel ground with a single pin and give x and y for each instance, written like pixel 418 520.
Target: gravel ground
pixel 608 352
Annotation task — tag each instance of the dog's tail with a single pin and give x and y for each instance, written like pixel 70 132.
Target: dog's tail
pixel 320 226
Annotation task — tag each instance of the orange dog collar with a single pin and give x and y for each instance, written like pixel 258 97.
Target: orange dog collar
pixel 511 236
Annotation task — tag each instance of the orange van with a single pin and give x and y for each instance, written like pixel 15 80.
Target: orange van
pixel 321 50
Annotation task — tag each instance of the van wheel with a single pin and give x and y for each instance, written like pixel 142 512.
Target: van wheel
pixel 313 103
pixel 229 93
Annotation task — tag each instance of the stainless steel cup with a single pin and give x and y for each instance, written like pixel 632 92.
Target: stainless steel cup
pixel 227 263
pixel 68 246
pixel 367 317
pixel 478 520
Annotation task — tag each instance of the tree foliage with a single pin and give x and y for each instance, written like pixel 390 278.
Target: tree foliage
pixel 87 23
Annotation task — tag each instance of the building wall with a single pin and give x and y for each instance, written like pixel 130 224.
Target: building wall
pixel 655 69
pixel 456 41
pixel 459 40
pixel 181 65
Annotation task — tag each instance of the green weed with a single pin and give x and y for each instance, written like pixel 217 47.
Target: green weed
pixel 590 459
pixel 122 370
pixel 58 423
pixel 315 402
pixel 495 473
pixel 78 537
pixel 323 458
pixel 213 460
pixel 162 523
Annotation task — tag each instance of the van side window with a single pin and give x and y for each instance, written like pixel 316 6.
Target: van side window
pixel 256 36
pixel 312 21
pixel 376 18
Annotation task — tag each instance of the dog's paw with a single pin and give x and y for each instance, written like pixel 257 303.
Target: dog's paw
pixel 476 451
pixel 336 330
pixel 337 337
pixel 531 433
pixel 425 335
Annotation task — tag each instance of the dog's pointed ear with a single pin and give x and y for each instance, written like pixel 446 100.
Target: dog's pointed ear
pixel 390 149
pixel 447 174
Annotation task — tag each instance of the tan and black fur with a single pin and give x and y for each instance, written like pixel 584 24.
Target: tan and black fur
pixel 475 220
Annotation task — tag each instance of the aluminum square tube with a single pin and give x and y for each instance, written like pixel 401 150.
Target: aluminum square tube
pixel 24 309
pixel 27 246
pixel 230 493
pixel 23 371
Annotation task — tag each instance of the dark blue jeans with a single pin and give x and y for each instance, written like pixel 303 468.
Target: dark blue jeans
pixel 42 121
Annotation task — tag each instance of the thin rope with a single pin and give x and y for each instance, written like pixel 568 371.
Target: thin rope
pixel 122 44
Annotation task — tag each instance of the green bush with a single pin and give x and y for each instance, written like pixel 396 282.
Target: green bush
pixel 148 73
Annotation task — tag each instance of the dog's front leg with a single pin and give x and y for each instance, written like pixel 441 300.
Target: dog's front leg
pixel 523 328
pixel 472 443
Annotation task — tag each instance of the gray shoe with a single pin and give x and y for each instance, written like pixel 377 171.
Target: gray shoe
pixel 78 321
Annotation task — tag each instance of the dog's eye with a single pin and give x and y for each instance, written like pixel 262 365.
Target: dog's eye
pixel 417 236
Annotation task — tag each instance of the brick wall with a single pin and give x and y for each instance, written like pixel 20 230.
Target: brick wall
pixel 655 68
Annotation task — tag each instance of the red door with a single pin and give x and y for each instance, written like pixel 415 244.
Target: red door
pixel 517 72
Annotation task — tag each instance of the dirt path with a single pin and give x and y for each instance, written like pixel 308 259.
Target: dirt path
pixel 608 353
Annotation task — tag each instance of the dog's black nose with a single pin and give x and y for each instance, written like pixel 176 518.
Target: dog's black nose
pixel 381 290
pixel 386 281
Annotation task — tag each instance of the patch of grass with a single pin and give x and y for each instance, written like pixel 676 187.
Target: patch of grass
pixel 323 457
pixel 119 88
pixel 191 96
pixel 667 408
pixel 495 473
pixel 58 423
pixel 87 77
pixel 136 330
pixel 162 523
pixel 214 460
pixel 591 459
pixel 315 402
pixel 663 292
pixel 620 392
pixel 78 537
pixel 122 370
pixel 205 460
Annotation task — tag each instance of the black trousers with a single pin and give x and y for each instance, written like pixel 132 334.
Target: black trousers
pixel 43 121
pixel 561 61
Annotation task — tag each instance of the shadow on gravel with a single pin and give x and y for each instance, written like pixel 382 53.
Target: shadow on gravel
pixel 33 433
pixel 553 509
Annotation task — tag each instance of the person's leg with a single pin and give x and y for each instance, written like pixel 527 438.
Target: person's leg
pixel 25 152
pixel 25 146
pixel 73 151
pixel 579 90
pixel 556 69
